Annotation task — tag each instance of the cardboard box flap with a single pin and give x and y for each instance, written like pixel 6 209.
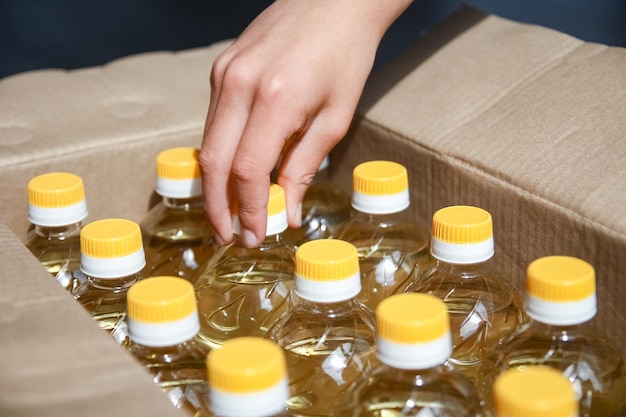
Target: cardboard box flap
pixel 55 359
pixel 536 108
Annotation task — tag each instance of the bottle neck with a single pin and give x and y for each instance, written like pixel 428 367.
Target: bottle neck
pixel 462 270
pixel 384 219
pixel 183 203
pixel 334 309
pixel 117 284
pixel 58 232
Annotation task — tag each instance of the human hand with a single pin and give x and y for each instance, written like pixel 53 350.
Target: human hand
pixel 293 77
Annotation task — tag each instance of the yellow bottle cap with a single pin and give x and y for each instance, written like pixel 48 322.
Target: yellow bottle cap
pixel 413 331
pixel 537 391
pixel 327 271
pixel 462 225
pixel 462 235
pixel 246 365
pixel 560 290
pixel 412 318
pixel 110 238
pixel 380 178
pixel 55 189
pixel 178 163
pixel 56 199
pixel 161 300
pixel 560 279
pixel 276 202
pixel 380 187
pixel 327 260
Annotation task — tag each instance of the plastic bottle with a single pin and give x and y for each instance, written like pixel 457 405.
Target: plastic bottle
pixel 247 378
pixel 561 303
pixel 325 208
pixel 390 246
pixel 326 334
pixel 177 236
pixel 162 321
pixel 484 307
pixel 243 291
pixel 56 209
pixel 536 392
pixel 412 378
pixel 111 259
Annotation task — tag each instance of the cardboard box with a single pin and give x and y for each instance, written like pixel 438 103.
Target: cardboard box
pixel 523 121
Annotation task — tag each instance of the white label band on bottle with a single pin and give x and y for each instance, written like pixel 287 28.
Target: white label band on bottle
pixel 264 403
pixel 164 334
pixel 275 224
pixel 328 291
pixel 113 267
pixel 57 216
pixel 186 188
pixel 414 355
pixel 467 253
pixel 567 313
pixel 380 204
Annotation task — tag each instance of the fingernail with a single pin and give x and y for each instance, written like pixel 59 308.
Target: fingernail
pixel 248 238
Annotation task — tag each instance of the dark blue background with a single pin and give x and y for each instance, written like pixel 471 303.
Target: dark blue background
pixel 37 34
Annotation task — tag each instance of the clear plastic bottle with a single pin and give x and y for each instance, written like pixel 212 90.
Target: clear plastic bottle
pixel 390 246
pixel 242 291
pixel 413 378
pixel 56 209
pixel 326 333
pixel 111 259
pixel 247 378
pixel 536 392
pixel 561 303
pixel 484 306
pixel 162 321
pixel 177 237
pixel 325 208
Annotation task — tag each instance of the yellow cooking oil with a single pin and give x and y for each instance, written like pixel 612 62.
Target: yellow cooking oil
pixel 561 303
pixel 390 246
pixel 178 240
pixel 56 209
pixel 242 291
pixel 112 258
pixel 326 334
pixel 411 377
pixel 484 307
pixel 162 321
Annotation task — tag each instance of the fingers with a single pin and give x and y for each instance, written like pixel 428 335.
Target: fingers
pixel 276 115
pixel 226 119
pixel 302 160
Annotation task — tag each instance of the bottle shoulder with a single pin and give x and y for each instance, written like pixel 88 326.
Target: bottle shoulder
pixel 413 391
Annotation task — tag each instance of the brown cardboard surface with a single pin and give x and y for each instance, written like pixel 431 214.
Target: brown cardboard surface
pixel 54 360
pixel 521 120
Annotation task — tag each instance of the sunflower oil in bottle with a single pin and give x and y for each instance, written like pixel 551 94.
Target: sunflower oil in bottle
pixel 412 377
pixel 56 209
pixel 561 303
pixel 326 334
pixel 535 392
pixel 484 307
pixel 325 208
pixel 242 291
pixel 247 378
pixel 177 236
pixel 111 258
pixel 390 247
pixel 162 321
